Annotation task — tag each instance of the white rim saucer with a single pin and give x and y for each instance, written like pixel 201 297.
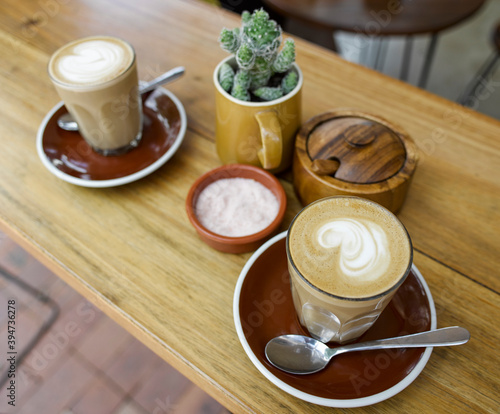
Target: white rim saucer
pixel 338 403
pixel 120 180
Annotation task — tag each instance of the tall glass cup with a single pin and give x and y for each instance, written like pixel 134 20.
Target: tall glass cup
pixel 96 77
pixel 347 256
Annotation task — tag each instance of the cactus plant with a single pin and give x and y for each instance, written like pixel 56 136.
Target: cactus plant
pixel 263 70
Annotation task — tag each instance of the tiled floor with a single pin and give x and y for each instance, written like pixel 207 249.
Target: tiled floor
pixel 85 363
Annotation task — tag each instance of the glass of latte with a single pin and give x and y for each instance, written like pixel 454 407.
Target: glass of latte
pixel 347 256
pixel 96 77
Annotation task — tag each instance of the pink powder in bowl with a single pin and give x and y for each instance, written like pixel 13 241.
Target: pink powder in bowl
pixel 236 207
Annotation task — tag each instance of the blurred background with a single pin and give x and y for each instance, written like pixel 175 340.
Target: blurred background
pixel 461 50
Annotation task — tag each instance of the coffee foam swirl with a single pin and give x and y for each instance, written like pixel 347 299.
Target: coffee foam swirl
pixel 363 251
pixel 92 62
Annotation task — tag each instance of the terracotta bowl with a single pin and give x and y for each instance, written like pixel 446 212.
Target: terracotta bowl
pixel 236 244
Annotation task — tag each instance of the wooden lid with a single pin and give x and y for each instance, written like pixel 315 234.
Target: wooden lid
pixel 350 152
pixel 355 148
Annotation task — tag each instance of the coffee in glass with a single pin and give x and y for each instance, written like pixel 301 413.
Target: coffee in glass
pixel 346 257
pixel 96 77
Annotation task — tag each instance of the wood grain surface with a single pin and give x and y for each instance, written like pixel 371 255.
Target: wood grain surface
pixel 132 251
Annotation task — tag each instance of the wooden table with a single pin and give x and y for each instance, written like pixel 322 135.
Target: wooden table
pixel 131 249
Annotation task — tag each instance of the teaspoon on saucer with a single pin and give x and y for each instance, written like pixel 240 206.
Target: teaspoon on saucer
pixel 298 354
pixel 68 123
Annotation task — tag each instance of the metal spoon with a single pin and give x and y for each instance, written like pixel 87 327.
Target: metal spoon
pixel 68 123
pixel 297 354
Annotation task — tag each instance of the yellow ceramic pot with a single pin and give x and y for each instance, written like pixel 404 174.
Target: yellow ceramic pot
pixel 257 133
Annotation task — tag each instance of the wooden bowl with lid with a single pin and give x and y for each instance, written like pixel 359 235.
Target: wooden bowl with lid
pixel 350 152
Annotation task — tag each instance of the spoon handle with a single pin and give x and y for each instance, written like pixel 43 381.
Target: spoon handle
pixel 164 78
pixel 453 335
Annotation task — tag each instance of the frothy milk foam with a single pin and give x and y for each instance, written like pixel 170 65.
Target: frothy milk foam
pixel 349 248
pixel 97 79
pixel 92 61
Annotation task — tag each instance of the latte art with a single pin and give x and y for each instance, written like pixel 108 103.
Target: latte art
pixel 346 258
pixel 93 62
pixel 349 247
pixel 362 247
pixel 97 79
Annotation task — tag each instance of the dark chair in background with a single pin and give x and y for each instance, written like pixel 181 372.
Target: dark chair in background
pixel 381 19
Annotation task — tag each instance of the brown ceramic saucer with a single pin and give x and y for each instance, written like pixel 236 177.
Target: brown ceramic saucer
pixel 69 157
pixel 263 309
